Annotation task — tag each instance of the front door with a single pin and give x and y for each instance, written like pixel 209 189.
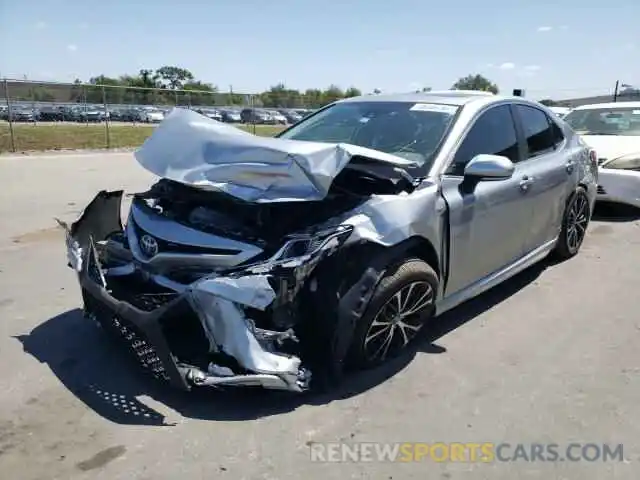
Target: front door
pixel 489 223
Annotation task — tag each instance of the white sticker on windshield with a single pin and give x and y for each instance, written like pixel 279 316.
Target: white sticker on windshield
pixel 434 107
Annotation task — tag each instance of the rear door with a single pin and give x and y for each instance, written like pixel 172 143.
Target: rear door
pixel 551 174
pixel 488 223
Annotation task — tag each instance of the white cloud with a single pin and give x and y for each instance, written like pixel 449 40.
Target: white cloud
pixel 532 68
pixel 564 27
pixel 545 29
pixel 40 25
pixel 72 47
pixel 489 65
pixel 507 66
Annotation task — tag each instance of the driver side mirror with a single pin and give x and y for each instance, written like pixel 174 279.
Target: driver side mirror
pixel 489 167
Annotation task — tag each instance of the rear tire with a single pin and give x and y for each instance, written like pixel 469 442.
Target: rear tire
pixel 402 302
pixel 575 221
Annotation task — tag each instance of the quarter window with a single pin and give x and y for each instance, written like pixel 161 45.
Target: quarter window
pixel 538 130
pixel 493 133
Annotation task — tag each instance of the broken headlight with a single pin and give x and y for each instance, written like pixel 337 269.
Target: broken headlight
pixel 303 245
pixel 625 162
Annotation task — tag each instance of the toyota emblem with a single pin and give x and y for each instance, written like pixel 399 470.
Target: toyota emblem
pixel 149 245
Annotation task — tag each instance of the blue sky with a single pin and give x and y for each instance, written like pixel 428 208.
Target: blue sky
pixel 560 48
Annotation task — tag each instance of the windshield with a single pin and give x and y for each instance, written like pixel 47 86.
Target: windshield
pixel 605 121
pixel 412 131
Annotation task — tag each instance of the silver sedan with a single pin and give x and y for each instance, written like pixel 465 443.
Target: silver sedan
pixel 281 261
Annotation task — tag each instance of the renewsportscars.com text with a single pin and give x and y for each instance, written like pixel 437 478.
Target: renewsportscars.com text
pixel 466 452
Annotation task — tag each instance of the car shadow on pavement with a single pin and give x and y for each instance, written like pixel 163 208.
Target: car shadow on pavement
pixel 611 212
pixel 469 310
pixel 85 361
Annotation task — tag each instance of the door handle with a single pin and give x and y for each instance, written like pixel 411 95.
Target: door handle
pixel 570 166
pixel 525 183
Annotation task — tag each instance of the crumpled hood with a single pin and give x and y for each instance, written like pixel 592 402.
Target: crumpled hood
pixel 192 149
pixel 612 146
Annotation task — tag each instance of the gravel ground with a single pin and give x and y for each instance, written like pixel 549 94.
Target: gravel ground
pixel 550 357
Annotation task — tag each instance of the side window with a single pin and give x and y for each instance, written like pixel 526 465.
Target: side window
pixel 538 130
pixel 558 134
pixel 493 133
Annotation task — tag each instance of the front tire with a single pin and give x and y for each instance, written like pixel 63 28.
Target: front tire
pixel 575 221
pixel 402 302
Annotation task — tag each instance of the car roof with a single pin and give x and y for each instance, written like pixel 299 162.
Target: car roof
pixel 445 97
pixel 610 105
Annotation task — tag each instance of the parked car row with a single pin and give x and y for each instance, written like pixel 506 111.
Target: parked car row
pixel 145 114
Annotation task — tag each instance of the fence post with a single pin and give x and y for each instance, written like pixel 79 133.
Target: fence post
pixel 253 117
pixel 84 104
pixel 6 98
pixel 106 116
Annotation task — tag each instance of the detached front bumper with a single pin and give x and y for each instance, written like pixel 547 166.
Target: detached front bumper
pixel 191 335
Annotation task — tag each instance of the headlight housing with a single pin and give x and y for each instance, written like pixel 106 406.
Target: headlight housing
pixel 625 162
pixel 303 246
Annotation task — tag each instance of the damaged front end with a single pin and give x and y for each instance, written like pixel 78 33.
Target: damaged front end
pixel 194 308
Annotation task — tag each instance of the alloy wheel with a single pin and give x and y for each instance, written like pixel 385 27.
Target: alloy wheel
pixel 577 221
pixel 398 321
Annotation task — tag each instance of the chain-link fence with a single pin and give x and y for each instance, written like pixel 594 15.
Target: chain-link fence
pixel 55 116
pixel 50 116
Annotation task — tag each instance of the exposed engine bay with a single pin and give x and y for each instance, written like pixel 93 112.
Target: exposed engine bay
pixel 264 225
pixel 247 322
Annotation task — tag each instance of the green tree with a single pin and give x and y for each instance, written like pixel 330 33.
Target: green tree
pixel 352 92
pixel 279 96
pixel 313 98
pixel 475 82
pixel 106 89
pixel 332 94
pixel 39 94
pixel 177 85
pixel 174 77
pixel 199 93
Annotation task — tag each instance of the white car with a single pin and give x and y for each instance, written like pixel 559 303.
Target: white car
pixel 613 131
pixel 560 111
pixel 152 115
pixel 278 117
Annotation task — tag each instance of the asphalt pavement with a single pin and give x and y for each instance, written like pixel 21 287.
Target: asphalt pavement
pixel 550 357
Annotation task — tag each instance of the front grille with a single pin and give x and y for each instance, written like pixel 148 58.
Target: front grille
pixel 601 190
pixel 140 347
pixel 148 302
pixel 172 247
pixel 134 339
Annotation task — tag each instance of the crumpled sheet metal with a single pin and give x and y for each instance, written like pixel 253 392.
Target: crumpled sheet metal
pixel 218 301
pixel 193 149
pixel 388 219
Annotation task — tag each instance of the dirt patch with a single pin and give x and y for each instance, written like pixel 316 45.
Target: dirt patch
pixel 42 235
pixel 101 458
